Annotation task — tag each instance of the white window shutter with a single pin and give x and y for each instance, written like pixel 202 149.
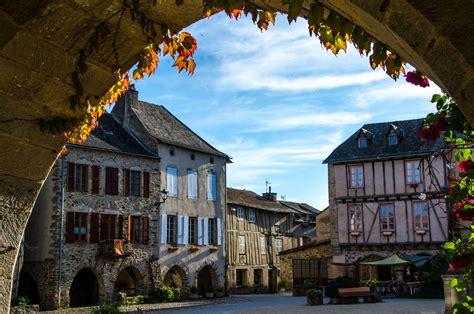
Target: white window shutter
pixel 200 231
pixel 180 230
pixel 172 181
pixel 206 230
pixel 185 229
pixel 211 187
pixel 219 232
pixel 163 228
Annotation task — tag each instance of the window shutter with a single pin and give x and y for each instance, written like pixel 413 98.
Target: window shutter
pixel 185 229
pixel 172 181
pixel 180 232
pixel 94 231
pixel 111 181
pixel 129 228
pixel 87 178
pixel 95 179
pixel 70 227
pixel 200 230
pixel 146 184
pixel 211 187
pixel 126 182
pixel 164 221
pixel 219 232
pixel 205 227
pixel 145 229
pixel 70 176
pixel 120 227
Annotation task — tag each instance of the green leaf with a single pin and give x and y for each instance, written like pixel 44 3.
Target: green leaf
pixel 454 282
pixel 294 10
pixel 449 246
pixel 435 98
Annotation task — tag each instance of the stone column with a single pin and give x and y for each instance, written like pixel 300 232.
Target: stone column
pixel 451 297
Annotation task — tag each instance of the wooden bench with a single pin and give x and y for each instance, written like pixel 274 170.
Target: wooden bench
pixel 354 293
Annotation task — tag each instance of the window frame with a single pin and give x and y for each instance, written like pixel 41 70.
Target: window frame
pixel 352 225
pixel 386 221
pixel 278 245
pixel 357 177
pixel 242 245
pixel 365 140
pixel 423 218
pixel 81 177
pixel 212 231
pixel 240 213
pixel 108 222
pixel 81 221
pixel 171 229
pixel 413 171
pixel 135 226
pixel 252 215
pixel 391 135
pixel 135 187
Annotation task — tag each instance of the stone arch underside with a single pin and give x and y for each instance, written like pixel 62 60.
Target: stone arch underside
pixel 40 44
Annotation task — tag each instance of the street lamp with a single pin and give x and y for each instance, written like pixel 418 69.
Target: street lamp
pixel 164 196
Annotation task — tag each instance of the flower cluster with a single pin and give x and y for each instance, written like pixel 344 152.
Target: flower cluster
pixel 417 79
pixel 433 131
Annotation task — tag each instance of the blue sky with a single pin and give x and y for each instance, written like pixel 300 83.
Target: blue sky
pixel 277 102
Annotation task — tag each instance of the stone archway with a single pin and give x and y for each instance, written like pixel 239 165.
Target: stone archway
pixel 27 287
pixel 84 289
pixel 176 278
pixel 38 53
pixel 129 281
pixel 207 280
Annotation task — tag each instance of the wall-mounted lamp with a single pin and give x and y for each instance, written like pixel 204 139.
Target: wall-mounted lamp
pixel 164 197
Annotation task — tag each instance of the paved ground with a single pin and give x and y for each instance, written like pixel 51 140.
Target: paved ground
pixel 286 304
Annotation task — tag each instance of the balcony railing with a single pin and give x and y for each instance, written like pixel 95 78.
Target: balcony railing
pixel 112 248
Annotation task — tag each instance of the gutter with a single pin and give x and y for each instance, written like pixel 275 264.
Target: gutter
pixel 61 234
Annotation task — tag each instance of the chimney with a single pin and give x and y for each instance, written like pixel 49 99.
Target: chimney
pixel 269 196
pixel 124 105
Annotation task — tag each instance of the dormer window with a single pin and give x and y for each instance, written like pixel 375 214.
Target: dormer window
pixel 362 142
pixel 392 139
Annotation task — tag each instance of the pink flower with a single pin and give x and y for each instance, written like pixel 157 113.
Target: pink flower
pixel 417 79
pixel 460 263
pixel 428 134
pixel 465 165
pixel 463 214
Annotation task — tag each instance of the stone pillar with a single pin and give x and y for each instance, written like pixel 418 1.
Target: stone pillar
pixel 451 297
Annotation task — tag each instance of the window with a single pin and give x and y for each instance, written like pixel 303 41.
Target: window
pixel 95 179
pixel 241 244
pixel 172 181
pixel 211 187
pixel 135 183
pixel 257 277
pixel 263 245
pixel 241 277
pixel 355 216
pixel 413 171
pixel 240 213
pixel 80 227
pixel 192 184
pixel 211 228
pixel 135 229
pixel 111 181
pixel 392 138
pixel 171 229
pixel 388 217
pixel 251 215
pixel 278 245
pixel 362 142
pixel 192 230
pixel 107 227
pixel 357 176
pixel 421 216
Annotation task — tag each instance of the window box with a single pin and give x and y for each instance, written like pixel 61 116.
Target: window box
pixel 213 248
pixel 172 248
pixel 194 248
pixel 420 231
pixel 112 248
pixel 355 233
pixel 387 233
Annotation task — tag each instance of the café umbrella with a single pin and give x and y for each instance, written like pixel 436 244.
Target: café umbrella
pixel 393 260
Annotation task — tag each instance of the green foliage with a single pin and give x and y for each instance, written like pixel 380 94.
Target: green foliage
pixel 107 308
pixel 313 293
pixel 193 290
pixel 164 294
pixel 21 300
pixel 339 282
pixel 433 286
pixel 372 284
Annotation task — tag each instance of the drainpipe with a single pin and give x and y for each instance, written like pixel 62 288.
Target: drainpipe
pixel 61 235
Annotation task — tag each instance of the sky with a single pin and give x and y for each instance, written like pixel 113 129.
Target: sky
pixel 277 102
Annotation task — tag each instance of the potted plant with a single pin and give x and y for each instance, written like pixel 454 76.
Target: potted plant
pixel 193 293
pixel 219 293
pixel 314 297
pixel 193 248
pixel 213 248
pixel 172 248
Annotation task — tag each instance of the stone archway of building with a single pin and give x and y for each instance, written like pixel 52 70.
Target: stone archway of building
pixel 129 281
pixel 84 289
pixel 176 278
pixel 207 279
pixel 27 287
pixel 38 56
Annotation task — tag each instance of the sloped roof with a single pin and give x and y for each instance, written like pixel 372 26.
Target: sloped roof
pixel 110 135
pixel 304 247
pixel 253 200
pixel 409 145
pixel 301 207
pixel 166 128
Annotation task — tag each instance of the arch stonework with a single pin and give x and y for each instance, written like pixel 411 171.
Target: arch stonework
pixel 182 272
pixel 69 279
pixel 39 46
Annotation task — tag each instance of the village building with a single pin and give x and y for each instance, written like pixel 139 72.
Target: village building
pixel 191 236
pixel 258 228
pixel 386 196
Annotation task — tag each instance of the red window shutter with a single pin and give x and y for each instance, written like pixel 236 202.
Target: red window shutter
pixel 146 184
pixel 111 181
pixel 70 227
pixel 129 229
pixel 95 179
pixel 70 176
pixel 145 229
pixel 126 182
pixel 120 227
pixel 86 169
pixel 94 231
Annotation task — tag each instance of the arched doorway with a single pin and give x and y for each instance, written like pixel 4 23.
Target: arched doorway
pixel 206 280
pixel 84 289
pixel 27 287
pixel 128 281
pixel 176 278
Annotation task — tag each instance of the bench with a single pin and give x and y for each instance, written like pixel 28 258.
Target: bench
pixel 355 292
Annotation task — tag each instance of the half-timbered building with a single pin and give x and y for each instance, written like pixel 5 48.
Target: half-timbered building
pixel 386 196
